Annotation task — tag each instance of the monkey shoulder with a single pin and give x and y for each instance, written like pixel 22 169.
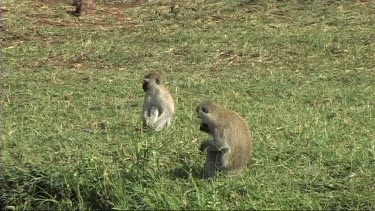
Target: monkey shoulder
pixel 167 96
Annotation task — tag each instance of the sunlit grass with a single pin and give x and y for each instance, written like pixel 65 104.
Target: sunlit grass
pixel 300 72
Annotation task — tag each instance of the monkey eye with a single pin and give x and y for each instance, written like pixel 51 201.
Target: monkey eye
pixel 204 109
pixel 157 80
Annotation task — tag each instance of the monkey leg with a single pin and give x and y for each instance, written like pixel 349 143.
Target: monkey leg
pixel 163 120
pixel 154 113
pixel 227 162
pixel 150 117
pixel 145 118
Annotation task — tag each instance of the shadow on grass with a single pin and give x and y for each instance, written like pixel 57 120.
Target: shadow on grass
pixel 186 169
pixel 186 172
pixel 73 13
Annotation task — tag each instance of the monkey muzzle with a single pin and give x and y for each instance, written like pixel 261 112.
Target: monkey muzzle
pixel 145 86
pixel 205 128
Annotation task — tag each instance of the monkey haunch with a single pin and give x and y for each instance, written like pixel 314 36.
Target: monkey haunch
pixel 158 106
pixel 231 147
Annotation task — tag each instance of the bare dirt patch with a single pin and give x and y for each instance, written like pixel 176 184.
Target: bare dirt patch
pixel 56 1
pixel 99 19
pixel 125 5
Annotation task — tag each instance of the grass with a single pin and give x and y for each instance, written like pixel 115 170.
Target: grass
pixel 301 73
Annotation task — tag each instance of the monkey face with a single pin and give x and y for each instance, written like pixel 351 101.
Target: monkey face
pixel 151 80
pixel 146 85
pixel 205 128
pixel 202 108
pixel 203 111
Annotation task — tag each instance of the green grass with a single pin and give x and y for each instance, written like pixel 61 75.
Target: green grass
pixel 302 73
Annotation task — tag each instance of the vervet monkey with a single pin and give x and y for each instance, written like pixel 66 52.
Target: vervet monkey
pixel 232 145
pixel 158 106
pixel 84 6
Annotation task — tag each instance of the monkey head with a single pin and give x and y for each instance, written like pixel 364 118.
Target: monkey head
pixel 206 113
pixel 151 80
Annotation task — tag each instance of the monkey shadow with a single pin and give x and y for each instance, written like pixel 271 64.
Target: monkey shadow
pixel 186 172
pixel 73 13
pixel 186 169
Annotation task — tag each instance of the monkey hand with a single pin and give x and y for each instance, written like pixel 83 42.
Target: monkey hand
pixel 202 149
pixel 208 145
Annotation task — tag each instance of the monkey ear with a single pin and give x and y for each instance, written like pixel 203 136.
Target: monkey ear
pixel 158 81
pixel 205 109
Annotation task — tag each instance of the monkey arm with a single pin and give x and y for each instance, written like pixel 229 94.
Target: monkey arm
pixel 211 146
pixel 164 119
pixel 149 117
pixel 212 164
pixel 145 118
pixel 208 145
pixel 145 112
pixel 224 149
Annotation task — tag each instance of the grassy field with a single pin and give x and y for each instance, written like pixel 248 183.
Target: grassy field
pixel 302 73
